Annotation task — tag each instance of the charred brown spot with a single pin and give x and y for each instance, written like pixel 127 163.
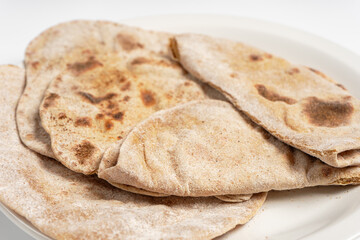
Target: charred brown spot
pixel 83 122
pixel 293 71
pixel 111 105
pixel 81 67
pixel 128 42
pixel 187 84
pixel 95 100
pixel 122 79
pixel 273 96
pixel 140 60
pixel 233 75
pixel 108 124
pixel 254 57
pixel 326 172
pixel 147 98
pixel 50 99
pixel 118 116
pixel 126 86
pixel 341 86
pixel 126 98
pixel 100 116
pixel 83 151
pixel 35 65
pixel 119 137
pixel 61 115
pixel 318 72
pixel 326 113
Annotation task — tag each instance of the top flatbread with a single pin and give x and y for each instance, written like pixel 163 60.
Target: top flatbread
pixel 103 79
pixel 298 105
pixel 68 205
pixel 206 148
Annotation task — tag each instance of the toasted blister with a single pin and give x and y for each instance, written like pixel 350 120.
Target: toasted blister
pixel 67 205
pixel 208 148
pixel 90 82
pixel 298 105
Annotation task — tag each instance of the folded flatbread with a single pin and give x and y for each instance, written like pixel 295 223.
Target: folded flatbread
pixel 109 159
pixel 68 205
pixel 298 105
pixel 101 79
pixel 206 148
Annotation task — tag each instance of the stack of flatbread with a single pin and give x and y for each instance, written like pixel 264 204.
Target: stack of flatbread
pixel 123 133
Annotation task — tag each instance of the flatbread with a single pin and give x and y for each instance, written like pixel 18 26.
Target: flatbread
pixel 207 148
pixel 110 155
pixel 68 205
pixel 102 79
pixel 110 158
pixel 298 105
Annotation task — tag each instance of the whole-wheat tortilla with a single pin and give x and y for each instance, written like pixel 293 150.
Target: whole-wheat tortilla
pixel 101 78
pixel 298 105
pixel 207 148
pixel 68 205
pixel 110 157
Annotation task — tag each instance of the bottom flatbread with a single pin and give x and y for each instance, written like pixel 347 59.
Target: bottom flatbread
pixel 67 205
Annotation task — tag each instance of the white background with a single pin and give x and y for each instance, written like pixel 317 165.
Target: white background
pixel 20 21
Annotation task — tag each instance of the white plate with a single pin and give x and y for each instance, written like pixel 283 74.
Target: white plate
pixel 313 213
